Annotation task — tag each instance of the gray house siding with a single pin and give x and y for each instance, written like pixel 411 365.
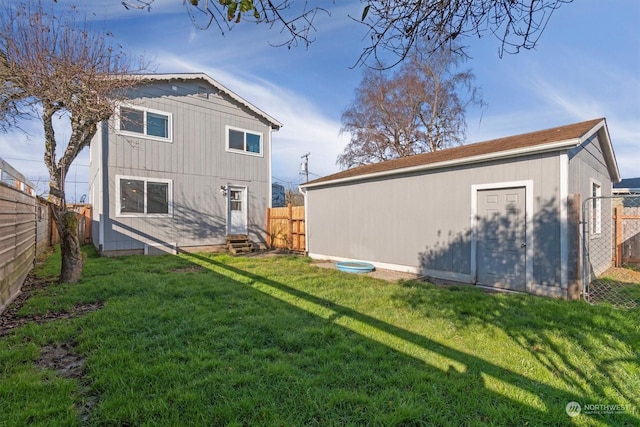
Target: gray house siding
pixel 423 222
pixel 196 163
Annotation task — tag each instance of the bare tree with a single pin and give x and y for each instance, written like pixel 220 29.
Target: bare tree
pixel 394 26
pixel 55 68
pixel 419 108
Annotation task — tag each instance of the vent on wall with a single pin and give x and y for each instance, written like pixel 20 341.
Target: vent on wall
pixel 202 92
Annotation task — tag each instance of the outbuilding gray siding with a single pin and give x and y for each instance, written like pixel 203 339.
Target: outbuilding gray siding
pixel 195 161
pixel 422 222
pixel 587 165
pixel 432 214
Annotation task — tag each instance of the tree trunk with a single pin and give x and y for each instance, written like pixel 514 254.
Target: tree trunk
pixel 72 260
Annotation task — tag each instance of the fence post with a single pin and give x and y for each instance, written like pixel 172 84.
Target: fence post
pixel 574 269
pixel 618 245
pixel 88 218
pixel 290 223
pixel 268 237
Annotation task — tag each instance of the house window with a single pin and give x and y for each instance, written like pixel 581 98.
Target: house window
pixel 596 208
pixel 143 196
pixel 145 122
pixel 244 141
pixel 236 200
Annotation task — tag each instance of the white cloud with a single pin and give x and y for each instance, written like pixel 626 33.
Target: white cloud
pixel 305 128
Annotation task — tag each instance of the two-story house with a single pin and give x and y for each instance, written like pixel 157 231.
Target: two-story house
pixel 185 163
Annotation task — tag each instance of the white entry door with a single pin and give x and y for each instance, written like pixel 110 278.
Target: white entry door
pixel 236 210
pixel 501 233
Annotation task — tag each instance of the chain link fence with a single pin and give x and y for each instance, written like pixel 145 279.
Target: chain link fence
pixel 611 251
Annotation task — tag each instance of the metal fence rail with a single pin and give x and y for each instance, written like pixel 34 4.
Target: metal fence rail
pixel 611 250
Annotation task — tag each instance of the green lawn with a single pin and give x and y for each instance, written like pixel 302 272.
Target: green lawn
pixel 215 340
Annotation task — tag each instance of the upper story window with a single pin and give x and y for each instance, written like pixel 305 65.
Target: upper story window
pixel 244 141
pixel 143 196
pixel 144 122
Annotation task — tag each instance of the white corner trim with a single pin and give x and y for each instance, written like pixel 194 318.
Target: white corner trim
pixel 564 228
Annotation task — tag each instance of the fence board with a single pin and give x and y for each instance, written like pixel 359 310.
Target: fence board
pixel 286 228
pixel 83 214
pixel 17 241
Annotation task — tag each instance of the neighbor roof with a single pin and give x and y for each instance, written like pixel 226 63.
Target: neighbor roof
pixel 628 184
pixel 202 76
pixel 558 138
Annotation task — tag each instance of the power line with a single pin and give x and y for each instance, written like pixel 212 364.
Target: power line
pixel 38 161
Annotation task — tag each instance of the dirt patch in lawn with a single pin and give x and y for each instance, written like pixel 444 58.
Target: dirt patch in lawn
pixel 9 319
pixel 59 357
pixel 63 359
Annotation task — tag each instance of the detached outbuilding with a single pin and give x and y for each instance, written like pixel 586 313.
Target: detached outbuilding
pixel 503 213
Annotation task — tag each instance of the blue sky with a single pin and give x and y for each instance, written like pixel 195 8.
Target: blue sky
pixel 586 65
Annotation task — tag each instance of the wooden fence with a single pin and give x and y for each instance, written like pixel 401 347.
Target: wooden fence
pixel 286 228
pixel 18 234
pixel 627 233
pixel 26 230
pixel 83 214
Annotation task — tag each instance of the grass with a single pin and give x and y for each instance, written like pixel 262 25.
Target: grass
pixel 214 340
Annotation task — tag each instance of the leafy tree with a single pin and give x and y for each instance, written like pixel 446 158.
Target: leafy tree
pixel 57 69
pixel 394 26
pixel 419 108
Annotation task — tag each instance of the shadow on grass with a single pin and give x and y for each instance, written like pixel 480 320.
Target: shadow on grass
pixel 462 372
pixel 534 323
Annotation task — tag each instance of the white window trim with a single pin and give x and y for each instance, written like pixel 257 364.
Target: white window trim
pixel 144 215
pixel 245 131
pixel 144 135
pixel 598 225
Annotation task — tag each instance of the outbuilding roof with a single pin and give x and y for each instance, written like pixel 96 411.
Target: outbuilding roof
pixel 202 76
pixel 554 139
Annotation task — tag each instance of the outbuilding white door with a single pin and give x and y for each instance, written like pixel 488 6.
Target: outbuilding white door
pixel 236 210
pixel 501 233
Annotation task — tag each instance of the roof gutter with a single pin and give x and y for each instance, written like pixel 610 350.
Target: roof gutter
pixel 556 146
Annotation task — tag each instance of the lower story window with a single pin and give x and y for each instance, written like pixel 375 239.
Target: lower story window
pixel 143 196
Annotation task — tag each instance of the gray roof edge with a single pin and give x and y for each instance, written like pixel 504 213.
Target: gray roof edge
pixel 600 127
pixel 553 146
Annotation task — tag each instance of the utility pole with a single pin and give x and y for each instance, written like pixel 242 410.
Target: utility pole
pixel 304 167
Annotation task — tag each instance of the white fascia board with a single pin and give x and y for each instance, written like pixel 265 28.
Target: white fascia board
pixel 610 155
pixel 555 146
pixel 607 148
